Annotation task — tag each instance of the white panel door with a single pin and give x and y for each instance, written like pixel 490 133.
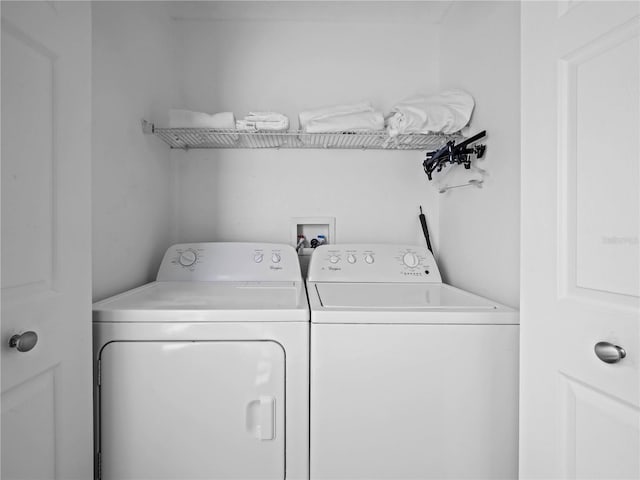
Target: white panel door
pixel 46 244
pixel 192 410
pixel 580 416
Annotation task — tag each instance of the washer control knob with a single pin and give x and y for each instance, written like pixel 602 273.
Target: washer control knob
pixel 334 259
pixel 410 260
pixel 187 258
pixel 258 257
pixel 369 258
pixel 351 258
pixel 275 258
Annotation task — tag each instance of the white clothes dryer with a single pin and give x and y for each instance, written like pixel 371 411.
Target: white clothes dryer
pixel 410 378
pixel 204 372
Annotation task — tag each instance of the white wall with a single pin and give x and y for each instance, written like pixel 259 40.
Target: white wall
pixel 479 228
pixel 132 78
pixel 249 62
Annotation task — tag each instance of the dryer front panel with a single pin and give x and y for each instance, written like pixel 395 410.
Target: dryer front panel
pixel 192 410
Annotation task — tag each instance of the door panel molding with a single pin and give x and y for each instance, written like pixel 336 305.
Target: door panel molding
pixel 572 256
pixel 564 6
pixel 21 404
pixel 611 421
pixel 30 269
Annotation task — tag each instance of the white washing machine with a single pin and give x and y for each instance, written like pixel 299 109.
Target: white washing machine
pixel 410 378
pixel 204 373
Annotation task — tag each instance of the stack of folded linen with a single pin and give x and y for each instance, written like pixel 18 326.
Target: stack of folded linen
pixel 188 119
pixel 446 112
pixel 356 117
pixel 263 121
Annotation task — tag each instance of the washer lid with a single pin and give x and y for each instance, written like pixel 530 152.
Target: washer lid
pixel 206 302
pixel 398 303
pixel 399 296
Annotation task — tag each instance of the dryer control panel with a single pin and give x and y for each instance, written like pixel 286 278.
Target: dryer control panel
pixel 373 263
pixel 230 261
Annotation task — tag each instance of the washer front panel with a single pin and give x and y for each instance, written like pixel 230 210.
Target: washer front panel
pixel 414 402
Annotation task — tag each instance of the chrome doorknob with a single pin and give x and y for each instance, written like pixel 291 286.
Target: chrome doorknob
pixel 24 342
pixel 609 353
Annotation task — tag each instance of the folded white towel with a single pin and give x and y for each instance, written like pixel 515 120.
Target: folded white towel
pixel 446 112
pixel 259 121
pixel 351 122
pixel 266 117
pixel 188 119
pixel 280 126
pixel 248 126
pixel 319 113
pixel 244 126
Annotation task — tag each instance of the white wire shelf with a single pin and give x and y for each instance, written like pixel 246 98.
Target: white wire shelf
pixel 187 138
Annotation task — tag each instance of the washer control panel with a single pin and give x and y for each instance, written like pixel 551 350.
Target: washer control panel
pixel 373 263
pixel 233 262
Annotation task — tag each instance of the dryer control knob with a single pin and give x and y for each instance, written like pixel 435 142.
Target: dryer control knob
pixel 369 259
pixel 351 258
pixel 258 257
pixel 275 258
pixel 410 260
pixel 187 258
pixel 334 259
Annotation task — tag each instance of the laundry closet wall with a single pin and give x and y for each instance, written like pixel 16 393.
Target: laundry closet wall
pixel 133 69
pixel 289 57
pixel 480 228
